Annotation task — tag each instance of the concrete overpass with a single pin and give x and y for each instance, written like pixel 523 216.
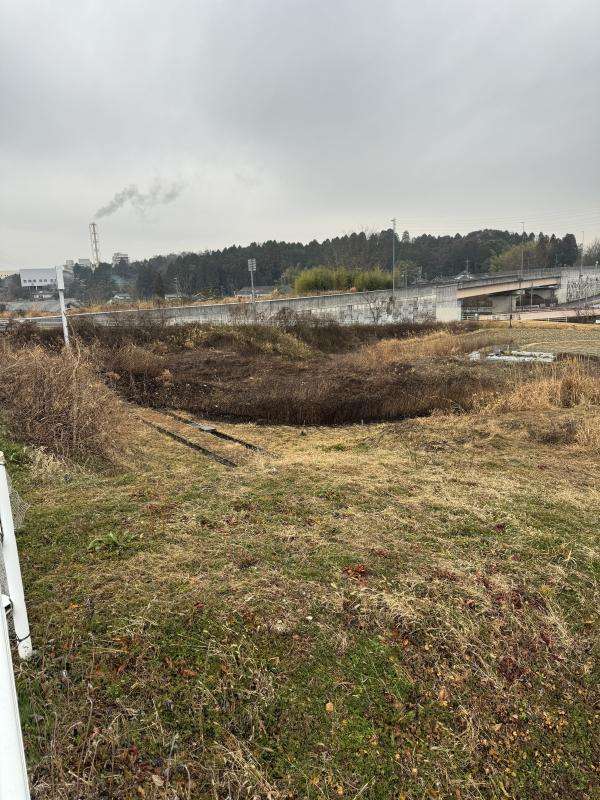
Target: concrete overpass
pixel 562 285
pixel 508 282
pixel 504 288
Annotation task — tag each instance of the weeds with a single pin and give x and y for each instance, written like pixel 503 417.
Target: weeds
pixel 55 400
pixel 563 385
pixel 441 344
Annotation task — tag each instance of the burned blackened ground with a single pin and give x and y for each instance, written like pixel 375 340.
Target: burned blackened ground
pixel 313 389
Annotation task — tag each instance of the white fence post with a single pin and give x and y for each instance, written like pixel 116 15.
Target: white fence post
pixel 13 770
pixel 13 570
pixel 14 784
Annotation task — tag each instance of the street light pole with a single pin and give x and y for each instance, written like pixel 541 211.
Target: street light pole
pixel 521 292
pixel 522 247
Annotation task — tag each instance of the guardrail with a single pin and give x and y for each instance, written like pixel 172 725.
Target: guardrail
pixel 502 277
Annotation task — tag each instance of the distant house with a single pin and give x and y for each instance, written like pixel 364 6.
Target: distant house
pixel 246 291
pixel 124 297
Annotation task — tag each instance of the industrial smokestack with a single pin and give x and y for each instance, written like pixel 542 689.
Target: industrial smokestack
pixel 94 244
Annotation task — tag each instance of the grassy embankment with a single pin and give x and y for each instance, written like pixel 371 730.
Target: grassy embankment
pixel 406 609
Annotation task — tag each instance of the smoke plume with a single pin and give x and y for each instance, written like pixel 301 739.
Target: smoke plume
pixel 160 193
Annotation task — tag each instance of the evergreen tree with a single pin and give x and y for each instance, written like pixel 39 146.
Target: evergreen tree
pixel 569 250
pixel 159 285
pixel 145 280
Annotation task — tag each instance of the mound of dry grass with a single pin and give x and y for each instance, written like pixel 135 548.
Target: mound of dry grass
pixel 56 401
pixel 564 385
pixel 289 335
pixel 137 360
pixel 440 344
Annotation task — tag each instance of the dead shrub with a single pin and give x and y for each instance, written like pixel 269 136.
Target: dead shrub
pixel 135 360
pixel 56 401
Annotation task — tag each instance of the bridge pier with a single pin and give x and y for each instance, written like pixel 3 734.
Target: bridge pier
pixel 504 303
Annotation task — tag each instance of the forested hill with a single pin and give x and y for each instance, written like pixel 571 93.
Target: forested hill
pixel 225 271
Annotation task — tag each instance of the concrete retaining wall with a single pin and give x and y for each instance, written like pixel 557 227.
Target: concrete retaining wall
pixel 416 304
pixel 577 285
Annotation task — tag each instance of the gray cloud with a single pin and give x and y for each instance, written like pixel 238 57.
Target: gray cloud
pixel 303 118
pixel 158 194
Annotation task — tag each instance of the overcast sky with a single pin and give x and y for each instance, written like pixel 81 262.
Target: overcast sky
pixel 243 120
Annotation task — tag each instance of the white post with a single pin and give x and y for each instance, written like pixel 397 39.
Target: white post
pixel 60 285
pixel 13 768
pixel 12 568
pixel 252 270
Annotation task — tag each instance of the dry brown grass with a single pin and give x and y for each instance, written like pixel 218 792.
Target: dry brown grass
pixel 138 361
pixel 55 400
pixel 563 385
pixel 441 344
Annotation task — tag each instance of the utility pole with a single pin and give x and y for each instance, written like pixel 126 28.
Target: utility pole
pixel 580 288
pixel 60 285
pixel 468 274
pixel 393 256
pixel 252 270
pixel 522 291
pixel 522 247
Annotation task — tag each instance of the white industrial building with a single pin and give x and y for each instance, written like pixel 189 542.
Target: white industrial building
pixel 43 277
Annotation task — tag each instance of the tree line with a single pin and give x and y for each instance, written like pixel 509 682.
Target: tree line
pixel 428 257
pixel 425 257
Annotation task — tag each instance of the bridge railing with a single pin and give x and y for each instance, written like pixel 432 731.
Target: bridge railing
pixel 500 277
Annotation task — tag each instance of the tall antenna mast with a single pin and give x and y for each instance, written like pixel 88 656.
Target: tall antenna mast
pixel 94 244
